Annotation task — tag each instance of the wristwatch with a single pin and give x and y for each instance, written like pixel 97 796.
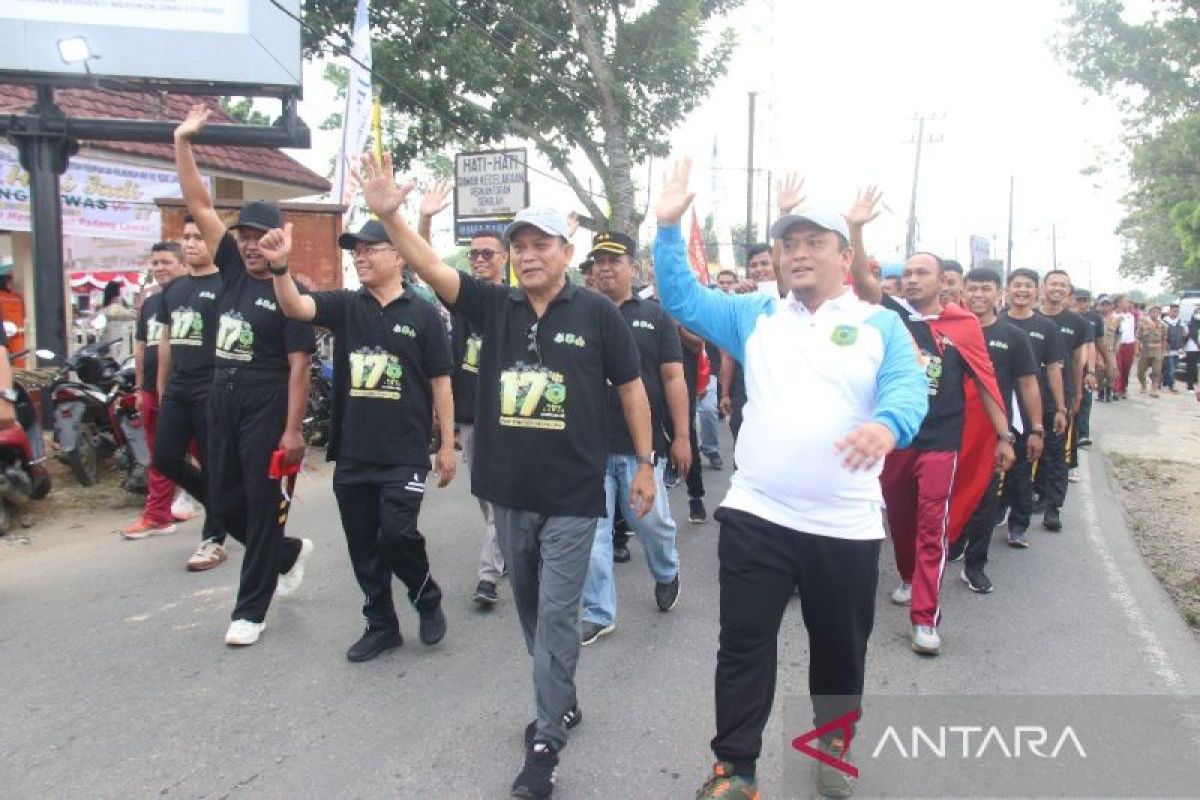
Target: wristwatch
pixel 1007 436
pixel 649 460
pixel 9 394
pixel 1038 432
pixel 277 270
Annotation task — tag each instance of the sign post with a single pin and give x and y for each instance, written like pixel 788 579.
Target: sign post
pixel 489 189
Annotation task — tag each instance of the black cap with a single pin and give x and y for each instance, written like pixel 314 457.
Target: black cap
pixel 613 242
pixel 1082 294
pixel 260 215
pixel 586 265
pixel 372 232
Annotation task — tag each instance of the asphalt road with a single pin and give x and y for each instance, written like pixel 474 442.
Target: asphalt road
pixel 117 683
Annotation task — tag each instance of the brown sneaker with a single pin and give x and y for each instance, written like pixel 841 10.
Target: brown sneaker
pixel 727 786
pixel 208 555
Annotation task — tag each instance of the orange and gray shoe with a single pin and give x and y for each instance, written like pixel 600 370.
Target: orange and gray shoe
pixel 725 785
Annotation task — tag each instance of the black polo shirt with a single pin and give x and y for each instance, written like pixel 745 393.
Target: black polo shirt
pixel 945 369
pixel 384 358
pixel 252 332
pixel 465 346
pixel 1047 344
pixel 1076 332
pixel 148 331
pixel 189 309
pixel 541 433
pixel 1012 358
pixel 658 343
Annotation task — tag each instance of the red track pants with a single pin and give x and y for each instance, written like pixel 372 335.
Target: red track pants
pixel 160 492
pixel 916 487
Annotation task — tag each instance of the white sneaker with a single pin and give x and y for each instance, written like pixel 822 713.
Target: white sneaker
pixel 902 596
pixel 1073 475
pixel 925 640
pixel 290 581
pixel 183 508
pixel 243 632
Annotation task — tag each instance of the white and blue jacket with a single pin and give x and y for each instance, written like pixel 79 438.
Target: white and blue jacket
pixel 811 378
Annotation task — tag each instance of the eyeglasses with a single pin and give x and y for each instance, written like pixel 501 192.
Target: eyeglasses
pixel 532 342
pixel 486 255
pixel 367 249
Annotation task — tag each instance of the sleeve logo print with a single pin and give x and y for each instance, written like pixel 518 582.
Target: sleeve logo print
pixel 235 338
pixel 375 373
pixel 470 362
pixel 533 397
pixel 187 327
pixel 154 330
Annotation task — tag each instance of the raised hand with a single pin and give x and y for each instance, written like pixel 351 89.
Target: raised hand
pixel 437 198
pixel 379 188
pixel 675 197
pixel 790 192
pixel 865 208
pixel 276 245
pixel 194 122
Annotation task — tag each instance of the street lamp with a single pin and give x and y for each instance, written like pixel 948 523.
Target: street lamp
pixel 75 50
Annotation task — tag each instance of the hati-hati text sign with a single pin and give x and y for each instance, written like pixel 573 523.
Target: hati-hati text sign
pixel 491 185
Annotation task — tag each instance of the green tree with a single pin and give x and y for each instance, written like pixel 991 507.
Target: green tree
pixel 607 80
pixel 242 109
pixel 1152 69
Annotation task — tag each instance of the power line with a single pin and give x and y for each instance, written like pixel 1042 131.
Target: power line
pixel 457 127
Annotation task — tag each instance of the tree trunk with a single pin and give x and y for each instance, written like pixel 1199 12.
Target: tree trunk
pixel 618 183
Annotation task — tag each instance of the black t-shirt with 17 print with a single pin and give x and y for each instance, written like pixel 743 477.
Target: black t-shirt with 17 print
pixel 383 361
pixel 1012 358
pixel 945 369
pixel 465 346
pixel 252 332
pixel 541 432
pixel 1047 345
pixel 1076 332
pixel 657 343
pixel 148 331
pixel 189 310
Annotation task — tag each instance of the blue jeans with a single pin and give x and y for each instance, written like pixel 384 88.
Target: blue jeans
pixel 1170 364
pixel 656 532
pixel 707 405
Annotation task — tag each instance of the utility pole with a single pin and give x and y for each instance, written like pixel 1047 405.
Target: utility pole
pixel 749 233
pixel 1008 265
pixel 767 227
pixel 910 243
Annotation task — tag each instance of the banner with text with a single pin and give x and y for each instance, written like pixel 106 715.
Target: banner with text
pixel 489 189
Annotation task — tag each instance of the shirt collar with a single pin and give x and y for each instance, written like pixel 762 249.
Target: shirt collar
pixel 405 294
pixel 841 302
pixel 517 295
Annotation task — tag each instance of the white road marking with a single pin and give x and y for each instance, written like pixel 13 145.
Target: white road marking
pixel 1118 587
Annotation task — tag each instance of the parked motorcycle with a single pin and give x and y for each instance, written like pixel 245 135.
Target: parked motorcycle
pixel 133 449
pixel 23 473
pixel 83 427
pixel 319 415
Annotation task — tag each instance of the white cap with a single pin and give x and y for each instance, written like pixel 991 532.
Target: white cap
pixel 544 218
pixel 829 220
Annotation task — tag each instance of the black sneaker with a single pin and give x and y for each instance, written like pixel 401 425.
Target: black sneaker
pixel 1085 441
pixel 621 554
pixel 976 581
pixel 373 643
pixel 957 550
pixel 666 595
pixel 715 461
pixel 696 511
pixel 1052 521
pixel 1039 504
pixel 1018 538
pixel 536 779
pixel 670 477
pixel 485 594
pixel 591 631
pixel 571 719
pixel 433 625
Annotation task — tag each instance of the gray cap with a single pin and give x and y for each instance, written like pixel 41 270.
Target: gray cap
pixel 829 220
pixel 544 218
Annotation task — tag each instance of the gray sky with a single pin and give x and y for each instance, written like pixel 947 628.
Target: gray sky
pixel 839 84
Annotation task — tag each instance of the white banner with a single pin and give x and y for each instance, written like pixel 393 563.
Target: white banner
pixel 208 16
pixel 99 198
pixel 356 119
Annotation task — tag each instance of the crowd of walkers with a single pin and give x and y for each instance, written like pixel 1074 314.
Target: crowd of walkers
pixel 937 406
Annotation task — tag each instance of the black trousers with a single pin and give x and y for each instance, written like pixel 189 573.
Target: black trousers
pixel 1017 493
pixel 379 505
pixel 1083 421
pixel 735 416
pixel 182 418
pixel 246 422
pixel 695 476
pixel 761 566
pixel 976 536
pixel 1051 480
pixel 1191 365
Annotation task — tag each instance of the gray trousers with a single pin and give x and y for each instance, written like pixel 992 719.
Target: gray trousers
pixel 547 561
pixel 491 561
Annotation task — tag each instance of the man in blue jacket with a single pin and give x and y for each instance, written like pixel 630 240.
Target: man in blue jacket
pixel 833 384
